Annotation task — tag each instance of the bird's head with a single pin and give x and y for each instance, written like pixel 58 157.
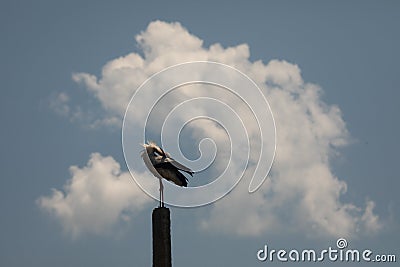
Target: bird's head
pixel 152 147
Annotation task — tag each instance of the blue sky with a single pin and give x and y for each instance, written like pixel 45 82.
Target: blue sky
pixel 350 50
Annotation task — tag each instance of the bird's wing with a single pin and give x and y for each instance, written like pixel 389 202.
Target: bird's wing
pixel 173 175
pixel 149 165
pixel 171 163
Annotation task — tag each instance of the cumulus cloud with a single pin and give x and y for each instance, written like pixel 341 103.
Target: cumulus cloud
pixel 97 197
pixel 302 194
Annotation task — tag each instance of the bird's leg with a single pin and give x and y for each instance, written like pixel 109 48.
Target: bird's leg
pixel 161 193
pixel 160 190
pixel 162 196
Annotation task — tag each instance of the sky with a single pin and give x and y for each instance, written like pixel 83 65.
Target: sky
pixel 69 69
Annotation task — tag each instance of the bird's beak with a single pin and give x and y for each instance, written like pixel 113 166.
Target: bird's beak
pixel 163 153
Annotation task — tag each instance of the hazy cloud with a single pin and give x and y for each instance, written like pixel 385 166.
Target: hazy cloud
pixel 60 104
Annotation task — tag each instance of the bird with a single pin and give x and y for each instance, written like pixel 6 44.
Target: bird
pixel 162 165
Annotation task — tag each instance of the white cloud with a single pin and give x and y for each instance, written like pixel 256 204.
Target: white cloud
pixel 95 198
pixel 302 194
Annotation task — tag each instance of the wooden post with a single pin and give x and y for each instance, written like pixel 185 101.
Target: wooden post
pixel 161 237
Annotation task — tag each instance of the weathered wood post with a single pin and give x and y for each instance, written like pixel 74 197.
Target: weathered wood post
pixel 161 237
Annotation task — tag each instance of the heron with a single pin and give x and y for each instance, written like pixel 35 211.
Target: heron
pixel 162 165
